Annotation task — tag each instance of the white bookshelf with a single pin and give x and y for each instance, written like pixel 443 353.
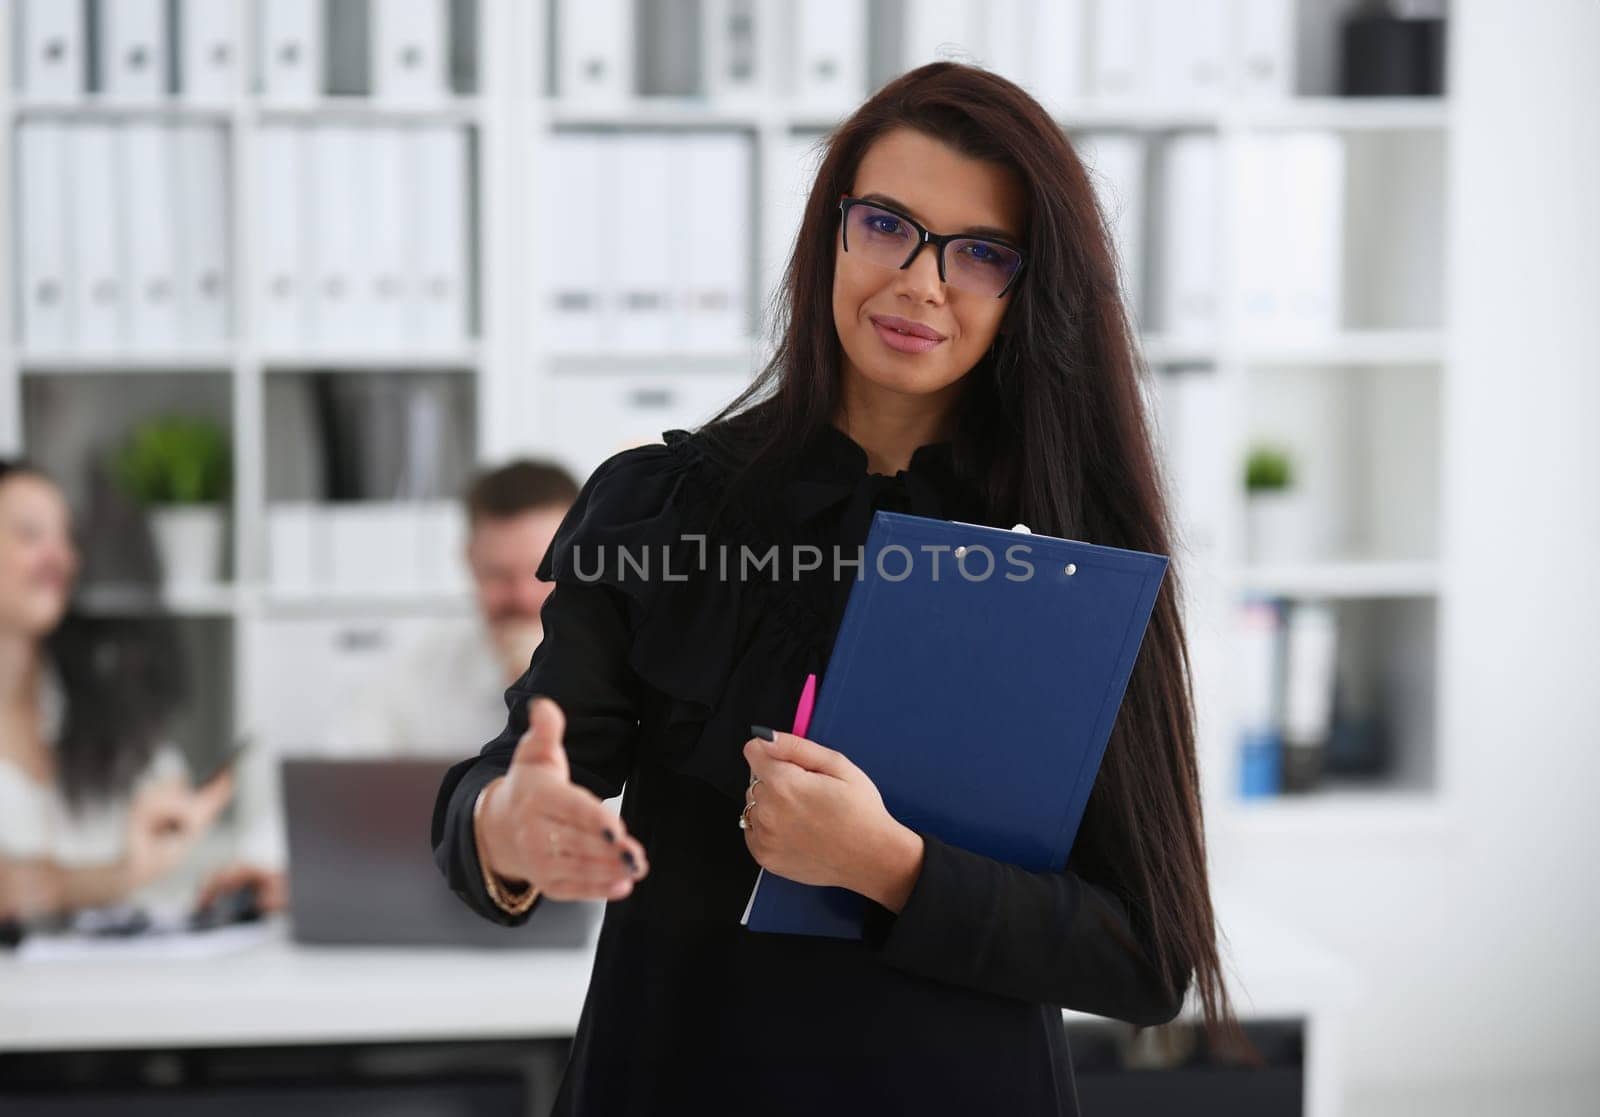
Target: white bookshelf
pixel 1391 356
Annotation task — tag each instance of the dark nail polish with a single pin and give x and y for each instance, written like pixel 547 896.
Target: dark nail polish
pixel 627 859
pixel 610 837
pixel 761 731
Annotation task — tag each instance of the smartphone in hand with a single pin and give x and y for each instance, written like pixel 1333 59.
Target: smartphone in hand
pixel 228 762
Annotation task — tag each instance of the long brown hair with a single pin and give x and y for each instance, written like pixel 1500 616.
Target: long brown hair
pixel 1053 432
pixel 124 681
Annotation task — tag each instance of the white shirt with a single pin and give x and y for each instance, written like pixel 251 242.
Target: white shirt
pixel 37 823
pixel 444 696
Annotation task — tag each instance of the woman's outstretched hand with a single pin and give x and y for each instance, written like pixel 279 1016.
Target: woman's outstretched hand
pixel 819 819
pixel 588 856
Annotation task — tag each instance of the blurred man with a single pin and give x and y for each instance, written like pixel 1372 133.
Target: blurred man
pixel 446 693
pixel 450 689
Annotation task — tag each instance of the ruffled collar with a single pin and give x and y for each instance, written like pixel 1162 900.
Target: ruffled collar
pixel 833 470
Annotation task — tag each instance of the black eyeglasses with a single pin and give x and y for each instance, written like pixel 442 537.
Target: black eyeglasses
pixel 891 239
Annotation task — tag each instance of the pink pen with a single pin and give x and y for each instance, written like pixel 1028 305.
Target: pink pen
pixel 802 712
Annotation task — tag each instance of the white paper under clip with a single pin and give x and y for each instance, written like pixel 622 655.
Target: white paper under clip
pixel 1024 528
pixel 744 919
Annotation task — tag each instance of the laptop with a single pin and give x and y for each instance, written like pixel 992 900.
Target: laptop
pixel 361 869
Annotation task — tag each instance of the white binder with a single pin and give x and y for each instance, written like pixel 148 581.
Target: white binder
pixel 43 196
pixel 209 64
pixel 280 239
pixel 712 238
pixel 733 48
pixel 1264 32
pixel 645 299
pixel 372 546
pixel 291 44
pixel 1188 50
pixel 1058 60
pixel 591 417
pixel 394 221
pixel 51 40
pixel 594 50
pixel 828 64
pixel 1117 163
pixel 337 202
pixel 134 63
pixel 574 250
pixel 1290 209
pixel 1311 256
pixel 442 526
pixel 443 252
pixel 1118 49
pixel 1039 45
pixel 410 50
pixel 1008 38
pixel 204 285
pixel 943 29
pixel 1194 451
pixel 796 158
pixel 1258 216
pixel 297 560
pixel 1257 642
pixel 100 280
pixel 149 234
pixel 1310 672
pixel 1186 302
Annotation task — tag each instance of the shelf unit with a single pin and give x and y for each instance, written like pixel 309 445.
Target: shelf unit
pixel 515 383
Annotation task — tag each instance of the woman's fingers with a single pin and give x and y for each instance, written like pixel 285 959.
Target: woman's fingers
pixel 578 845
pixel 210 798
pixel 225 880
pixel 581 822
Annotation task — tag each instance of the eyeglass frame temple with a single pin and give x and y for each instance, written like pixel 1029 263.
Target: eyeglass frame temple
pixel 939 240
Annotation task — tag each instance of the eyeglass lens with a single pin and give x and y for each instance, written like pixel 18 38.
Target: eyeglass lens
pixel 970 263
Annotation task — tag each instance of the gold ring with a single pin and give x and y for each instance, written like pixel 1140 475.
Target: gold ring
pixel 744 815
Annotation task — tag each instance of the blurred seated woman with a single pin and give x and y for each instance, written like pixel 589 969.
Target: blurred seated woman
pixel 94 802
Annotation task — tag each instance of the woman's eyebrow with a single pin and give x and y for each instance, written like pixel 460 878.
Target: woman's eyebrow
pixel 970 230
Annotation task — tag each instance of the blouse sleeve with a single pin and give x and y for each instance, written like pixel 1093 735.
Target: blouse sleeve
pixel 585 661
pixel 581 663
pixel 1051 937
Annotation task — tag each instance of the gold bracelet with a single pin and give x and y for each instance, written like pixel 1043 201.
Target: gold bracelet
pixel 512 903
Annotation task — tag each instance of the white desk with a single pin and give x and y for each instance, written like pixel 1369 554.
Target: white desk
pixel 277 992
pixel 280 992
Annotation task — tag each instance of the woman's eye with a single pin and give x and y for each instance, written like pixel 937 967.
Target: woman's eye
pixel 983 254
pixel 880 224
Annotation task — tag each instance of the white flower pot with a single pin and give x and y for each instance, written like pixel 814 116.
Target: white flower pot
pixel 189 541
pixel 1282 526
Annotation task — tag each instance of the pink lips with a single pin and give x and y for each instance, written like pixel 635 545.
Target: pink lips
pixel 918 339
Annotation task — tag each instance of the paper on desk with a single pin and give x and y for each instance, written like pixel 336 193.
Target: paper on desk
pixel 75 947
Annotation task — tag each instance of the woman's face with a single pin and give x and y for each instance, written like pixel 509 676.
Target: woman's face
pixel 38 561
pixel 948 193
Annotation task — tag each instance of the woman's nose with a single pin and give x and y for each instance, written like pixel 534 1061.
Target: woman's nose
pixel 922 276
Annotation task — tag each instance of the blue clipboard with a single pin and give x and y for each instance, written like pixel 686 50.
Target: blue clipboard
pixel 979 705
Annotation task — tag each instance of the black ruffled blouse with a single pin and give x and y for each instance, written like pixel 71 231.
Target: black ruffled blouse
pixel 951 1006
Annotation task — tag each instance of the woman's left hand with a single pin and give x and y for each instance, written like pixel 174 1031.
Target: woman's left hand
pixel 818 818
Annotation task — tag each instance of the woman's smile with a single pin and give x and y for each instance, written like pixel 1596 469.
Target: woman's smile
pixel 902 341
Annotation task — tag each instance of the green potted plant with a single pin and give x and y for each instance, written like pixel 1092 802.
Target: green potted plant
pixel 179 468
pixel 1279 515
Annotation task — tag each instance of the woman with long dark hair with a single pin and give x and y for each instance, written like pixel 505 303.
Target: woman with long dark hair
pixel 950 342
pixel 95 801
